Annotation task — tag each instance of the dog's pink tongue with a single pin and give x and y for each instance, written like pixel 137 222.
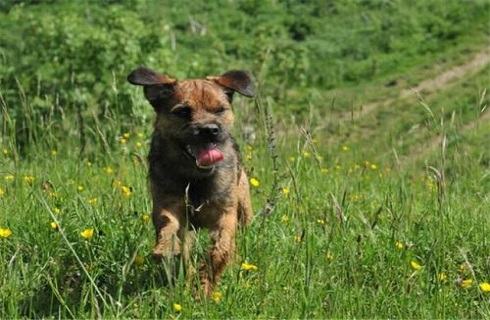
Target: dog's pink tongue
pixel 207 157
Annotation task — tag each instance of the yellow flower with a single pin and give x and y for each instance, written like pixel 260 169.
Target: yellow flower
pixel 306 154
pixel 108 170
pixel 80 188
pixel 285 191
pixel 485 287
pixel 2 192
pixel 28 179
pixel 123 141
pixel 56 210
pixel 126 191
pixel 87 233
pixel 345 148
pixel 324 170
pixel 140 135
pixel 54 225
pixel 415 265
pixel 249 267
pixel 297 238
pixel 9 177
pixel 54 152
pixel 139 144
pixel 254 182
pixel 177 307
pixel 92 201
pixel 89 164
pixel 216 296
pixel 139 260
pixel 5 232
pixel 146 218
pixel 442 277
pixel 320 221
pixel 329 256
pixel 374 166
pixel 399 245
pixel 285 219
pixel 126 135
pixel 466 283
pixel 291 159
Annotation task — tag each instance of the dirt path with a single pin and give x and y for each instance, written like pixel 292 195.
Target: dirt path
pixel 478 62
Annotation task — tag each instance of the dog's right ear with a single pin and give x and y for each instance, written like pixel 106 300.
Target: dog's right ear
pixel 156 85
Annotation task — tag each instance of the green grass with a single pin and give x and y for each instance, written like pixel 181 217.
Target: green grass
pixel 349 217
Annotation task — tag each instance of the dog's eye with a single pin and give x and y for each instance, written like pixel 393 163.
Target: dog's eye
pixel 220 110
pixel 182 112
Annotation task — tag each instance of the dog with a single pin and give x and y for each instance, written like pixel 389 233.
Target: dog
pixel 195 172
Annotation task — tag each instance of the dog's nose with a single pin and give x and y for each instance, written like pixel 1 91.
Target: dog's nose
pixel 210 130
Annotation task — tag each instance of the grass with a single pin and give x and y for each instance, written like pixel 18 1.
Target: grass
pixel 339 243
pixel 358 205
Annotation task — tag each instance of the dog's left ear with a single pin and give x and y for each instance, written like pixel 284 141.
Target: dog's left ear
pixel 236 81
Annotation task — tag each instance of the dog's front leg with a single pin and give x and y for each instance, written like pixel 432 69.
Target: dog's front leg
pixel 167 224
pixel 223 238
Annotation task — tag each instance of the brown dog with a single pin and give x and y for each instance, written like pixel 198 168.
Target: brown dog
pixel 195 172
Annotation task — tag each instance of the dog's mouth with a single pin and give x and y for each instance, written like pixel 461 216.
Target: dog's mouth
pixel 205 156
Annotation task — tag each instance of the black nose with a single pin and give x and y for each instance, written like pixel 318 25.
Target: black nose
pixel 209 130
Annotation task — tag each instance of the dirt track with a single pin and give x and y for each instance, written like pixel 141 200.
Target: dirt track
pixel 476 63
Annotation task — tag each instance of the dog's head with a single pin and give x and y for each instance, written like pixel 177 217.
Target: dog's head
pixel 195 113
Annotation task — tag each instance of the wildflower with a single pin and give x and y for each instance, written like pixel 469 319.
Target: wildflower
pixel 374 166
pixel 139 260
pixel 485 287
pixel 54 225
pixel 442 277
pixel 139 144
pixel 92 201
pixel 415 265
pixel 321 221
pixel 254 182
pixel 466 283
pixel 126 135
pixel 399 245
pixel 285 191
pixel 216 296
pixel 123 141
pixel 329 256
pixel 5 151
pixel 87 233
pixel 248 267
pixel 177 307
pixel 140 135
pixel 319 158
pixel 306 154
pixel 2 192
pixel 54 152
pixel 109 170
pixel 9 178
pixel 285 219
pixel 324 170
pixel 126 191
pixel 56 210
pixel 291 159
pixel 146 218
pixel 80 188
pixel 338 167
pixel 345 148
pixel 5 232
pixel 297 238
pixel 29 179
pixel 89 164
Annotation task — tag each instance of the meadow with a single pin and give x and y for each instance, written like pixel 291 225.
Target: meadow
pixel 368 149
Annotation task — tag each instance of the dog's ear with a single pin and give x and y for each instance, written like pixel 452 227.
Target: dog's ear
pixel 236 81
pixel 147 77
pixel 156 86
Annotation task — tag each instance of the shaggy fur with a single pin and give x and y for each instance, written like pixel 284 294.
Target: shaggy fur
pixel 191 115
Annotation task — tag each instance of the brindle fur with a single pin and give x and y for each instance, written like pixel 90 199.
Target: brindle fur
pixel 184 196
